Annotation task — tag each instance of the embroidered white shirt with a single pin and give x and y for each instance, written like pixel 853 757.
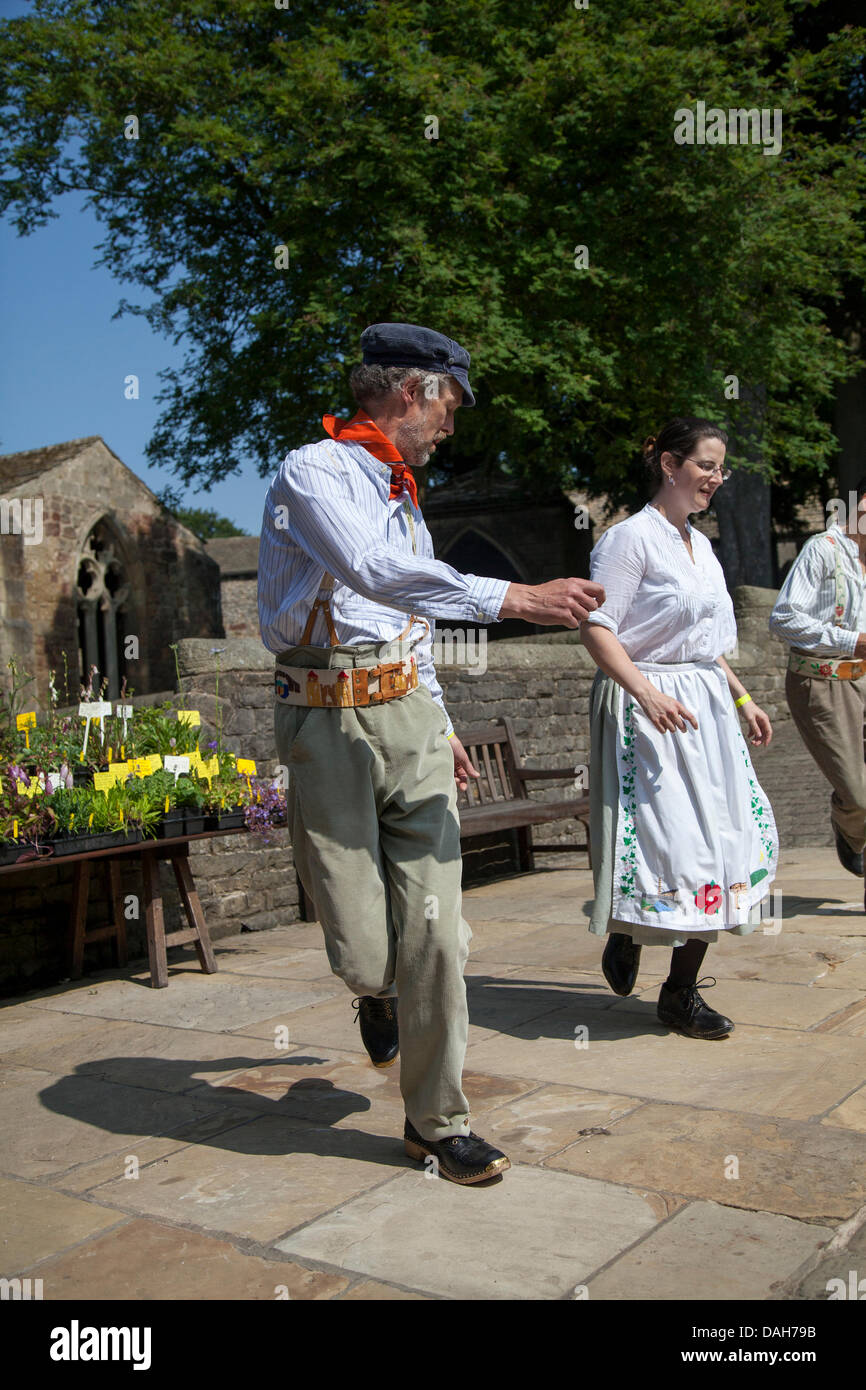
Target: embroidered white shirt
pixel 661 604
pixel 805 613
pixel 329 509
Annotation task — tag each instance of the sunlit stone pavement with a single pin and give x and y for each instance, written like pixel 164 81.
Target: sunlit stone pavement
pixel 226 1137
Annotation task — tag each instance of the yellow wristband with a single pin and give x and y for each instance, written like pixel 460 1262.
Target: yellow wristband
pixel 743 700
pixel 452 733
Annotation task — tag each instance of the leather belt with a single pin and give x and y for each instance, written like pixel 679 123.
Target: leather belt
pixel 326 687
pixel 843 669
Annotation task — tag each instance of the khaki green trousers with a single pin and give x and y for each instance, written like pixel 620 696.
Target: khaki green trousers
pixel 372 813
pixel 829 716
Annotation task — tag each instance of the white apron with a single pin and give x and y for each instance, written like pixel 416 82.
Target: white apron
pixel 696 841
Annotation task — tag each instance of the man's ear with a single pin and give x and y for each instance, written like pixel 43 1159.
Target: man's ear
pixel 410 390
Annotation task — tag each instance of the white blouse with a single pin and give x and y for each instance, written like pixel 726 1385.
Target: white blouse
pixel 661 604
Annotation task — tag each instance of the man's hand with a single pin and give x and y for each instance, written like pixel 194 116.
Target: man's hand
pixel 565 602
pixel 463 768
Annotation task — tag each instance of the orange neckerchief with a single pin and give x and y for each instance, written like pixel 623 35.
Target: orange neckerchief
pixel 361 430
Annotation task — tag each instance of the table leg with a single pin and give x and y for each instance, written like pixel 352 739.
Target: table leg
pixel 194 911
pixel 116 895
pixel 78 918
pixel 154 921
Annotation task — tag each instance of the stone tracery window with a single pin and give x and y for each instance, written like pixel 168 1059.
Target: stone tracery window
pixel 102 591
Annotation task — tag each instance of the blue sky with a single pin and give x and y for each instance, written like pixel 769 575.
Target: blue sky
pixel 63 358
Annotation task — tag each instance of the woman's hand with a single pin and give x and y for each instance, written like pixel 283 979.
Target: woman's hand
pixel 760 728
pixel 666 713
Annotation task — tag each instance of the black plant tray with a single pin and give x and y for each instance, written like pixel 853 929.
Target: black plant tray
pixel 171 826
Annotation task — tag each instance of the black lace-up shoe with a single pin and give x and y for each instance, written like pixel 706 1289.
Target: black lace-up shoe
pixel 464 1158
pixel 685 1010
pixel 848 858
pixel 620 962
pixel 378 1020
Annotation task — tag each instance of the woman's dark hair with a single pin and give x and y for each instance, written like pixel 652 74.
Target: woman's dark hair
pixel 678 437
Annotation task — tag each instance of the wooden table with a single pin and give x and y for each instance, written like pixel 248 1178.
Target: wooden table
pixel 175 850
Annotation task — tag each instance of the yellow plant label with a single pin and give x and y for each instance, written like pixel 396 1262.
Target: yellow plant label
pixel 189 716
pixel 118 772
pixel 246 766
pixel 26 721
pixel 104 781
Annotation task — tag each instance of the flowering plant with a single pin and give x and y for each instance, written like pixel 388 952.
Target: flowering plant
pixel 266 809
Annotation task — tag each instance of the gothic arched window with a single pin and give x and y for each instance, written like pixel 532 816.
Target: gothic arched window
pixel 102 590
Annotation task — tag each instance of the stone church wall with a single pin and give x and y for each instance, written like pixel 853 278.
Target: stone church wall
pixel 173 583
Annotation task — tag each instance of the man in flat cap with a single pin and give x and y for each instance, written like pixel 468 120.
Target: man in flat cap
pixel 348 594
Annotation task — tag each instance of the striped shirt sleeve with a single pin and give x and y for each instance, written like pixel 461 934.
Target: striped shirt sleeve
pixel 323 519
pixel 804 615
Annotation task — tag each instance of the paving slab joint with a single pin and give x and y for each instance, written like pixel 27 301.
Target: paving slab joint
pixel 844 1234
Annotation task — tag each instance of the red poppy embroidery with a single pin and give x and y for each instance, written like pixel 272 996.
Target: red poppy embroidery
pixel 709 898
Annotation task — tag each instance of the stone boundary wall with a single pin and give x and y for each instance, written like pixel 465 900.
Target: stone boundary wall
pixel 542 683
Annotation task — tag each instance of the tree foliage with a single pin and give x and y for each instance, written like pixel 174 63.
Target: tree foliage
pixel 204 522
pixel 310 128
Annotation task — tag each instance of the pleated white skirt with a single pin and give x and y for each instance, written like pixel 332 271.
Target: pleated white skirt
pixel 684 840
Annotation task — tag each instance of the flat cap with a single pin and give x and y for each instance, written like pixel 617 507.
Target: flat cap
pixel 410 345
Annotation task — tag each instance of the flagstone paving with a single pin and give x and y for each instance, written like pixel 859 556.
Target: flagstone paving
pixel 226 1137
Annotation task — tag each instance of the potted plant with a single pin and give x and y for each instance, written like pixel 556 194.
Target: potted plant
pixel 69 834
pixel 226 798
pixel 11 844
pixel 266 808
pixel 101 819
pixel 191 795
pixel 162 797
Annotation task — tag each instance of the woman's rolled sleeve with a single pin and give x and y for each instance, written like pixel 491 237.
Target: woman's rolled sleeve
pixel 618 563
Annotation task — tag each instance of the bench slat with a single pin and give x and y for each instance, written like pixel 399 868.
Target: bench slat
pixel 495 794
pixel 478 820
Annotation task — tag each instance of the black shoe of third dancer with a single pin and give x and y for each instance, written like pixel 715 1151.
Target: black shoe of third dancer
pixel 378 1020
pixel 620 962
pixel 464 1158
pixel 685 1010
pixel 848 857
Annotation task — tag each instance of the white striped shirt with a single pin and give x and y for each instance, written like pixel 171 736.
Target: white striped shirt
pixel 329 509
pixel 805 613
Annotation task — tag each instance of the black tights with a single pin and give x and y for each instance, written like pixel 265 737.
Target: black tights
pixel 686 961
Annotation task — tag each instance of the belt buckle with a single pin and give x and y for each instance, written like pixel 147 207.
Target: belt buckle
pixel 393 680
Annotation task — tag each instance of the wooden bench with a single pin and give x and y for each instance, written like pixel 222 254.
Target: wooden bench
pixel 499 799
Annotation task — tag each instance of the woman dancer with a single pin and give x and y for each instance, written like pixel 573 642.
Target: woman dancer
pixel 684 840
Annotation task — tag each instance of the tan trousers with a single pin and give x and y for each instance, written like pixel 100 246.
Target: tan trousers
pixel 829 716
pixel 372 810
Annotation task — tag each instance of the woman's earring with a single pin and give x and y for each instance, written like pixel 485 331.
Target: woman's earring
pixel 671 481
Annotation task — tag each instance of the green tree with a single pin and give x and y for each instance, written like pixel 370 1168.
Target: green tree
pixel 204 522
pixel 299 173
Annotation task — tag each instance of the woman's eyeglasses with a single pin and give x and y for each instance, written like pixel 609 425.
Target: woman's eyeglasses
pixel 707 466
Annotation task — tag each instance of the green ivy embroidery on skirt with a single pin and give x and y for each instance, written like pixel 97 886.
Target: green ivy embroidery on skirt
pixel 629 806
